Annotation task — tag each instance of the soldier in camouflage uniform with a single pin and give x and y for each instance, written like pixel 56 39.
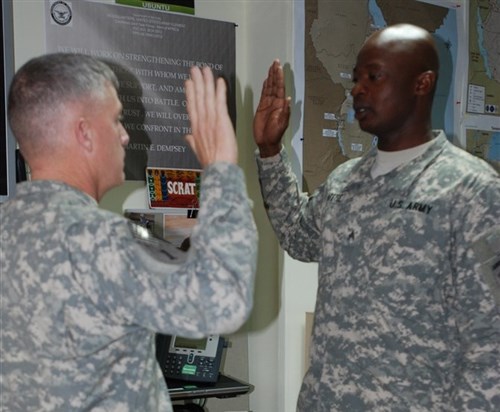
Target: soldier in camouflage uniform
pixel 81 296
pixel 408 244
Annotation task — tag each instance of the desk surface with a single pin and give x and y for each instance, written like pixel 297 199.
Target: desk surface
pixel 225 387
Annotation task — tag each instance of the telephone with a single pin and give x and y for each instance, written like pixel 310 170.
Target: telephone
pixel 193 360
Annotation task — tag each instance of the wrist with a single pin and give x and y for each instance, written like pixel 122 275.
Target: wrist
pixel 269 150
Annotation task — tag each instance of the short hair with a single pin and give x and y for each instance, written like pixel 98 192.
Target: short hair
pixel 44 83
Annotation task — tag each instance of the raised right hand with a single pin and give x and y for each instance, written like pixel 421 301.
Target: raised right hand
pixel 212 135
pixel 273 112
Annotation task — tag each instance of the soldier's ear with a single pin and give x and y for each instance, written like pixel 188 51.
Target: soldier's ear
pixel 425 83
pixel 84 134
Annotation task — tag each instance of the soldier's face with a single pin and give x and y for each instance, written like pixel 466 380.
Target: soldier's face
pixel 383 92
pixel 111 140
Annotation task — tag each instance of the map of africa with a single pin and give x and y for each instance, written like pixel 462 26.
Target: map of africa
pixel 484 57
pixel 484 144
pixel 483 98
pixel 334 33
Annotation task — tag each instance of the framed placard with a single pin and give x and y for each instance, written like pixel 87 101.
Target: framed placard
pixel 173 188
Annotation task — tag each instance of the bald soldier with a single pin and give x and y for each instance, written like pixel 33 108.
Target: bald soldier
pixel 407 239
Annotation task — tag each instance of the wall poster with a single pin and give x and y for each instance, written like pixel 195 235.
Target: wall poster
pixel 151 52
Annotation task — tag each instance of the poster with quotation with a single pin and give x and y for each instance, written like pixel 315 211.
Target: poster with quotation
pixel 151 52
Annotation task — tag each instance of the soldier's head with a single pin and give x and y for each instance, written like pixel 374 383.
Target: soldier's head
pixel 394 79
pixel 66 105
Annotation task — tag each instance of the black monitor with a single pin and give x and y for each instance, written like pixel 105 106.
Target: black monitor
pixel 7 141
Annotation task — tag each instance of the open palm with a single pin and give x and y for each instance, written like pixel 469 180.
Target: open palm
pixel 273 112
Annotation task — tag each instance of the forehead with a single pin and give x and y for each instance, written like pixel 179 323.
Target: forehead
pixel 371 58
pixel 374 56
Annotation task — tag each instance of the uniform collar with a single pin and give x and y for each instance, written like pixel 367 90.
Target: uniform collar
pixel 43 189
pixel 404 175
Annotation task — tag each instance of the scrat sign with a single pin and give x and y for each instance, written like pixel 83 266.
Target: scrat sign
pixel 177 188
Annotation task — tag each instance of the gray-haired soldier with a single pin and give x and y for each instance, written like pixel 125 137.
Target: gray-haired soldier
pixel 408 244
pixel 81 299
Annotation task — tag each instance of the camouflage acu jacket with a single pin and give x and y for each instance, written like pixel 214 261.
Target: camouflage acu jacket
pixel 81 300
pixel 405 317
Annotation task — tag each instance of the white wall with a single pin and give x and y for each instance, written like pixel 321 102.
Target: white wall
pixel 264 33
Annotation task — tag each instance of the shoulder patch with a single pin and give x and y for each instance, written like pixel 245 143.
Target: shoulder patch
pixel 487 250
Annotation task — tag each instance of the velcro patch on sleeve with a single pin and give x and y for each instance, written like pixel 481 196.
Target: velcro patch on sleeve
pixel 487 250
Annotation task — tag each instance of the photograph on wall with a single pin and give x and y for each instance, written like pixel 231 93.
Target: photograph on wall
pixel 177 230
pixel 151 53
pixel 170 226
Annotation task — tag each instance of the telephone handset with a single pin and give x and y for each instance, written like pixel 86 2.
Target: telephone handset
pixel 193 360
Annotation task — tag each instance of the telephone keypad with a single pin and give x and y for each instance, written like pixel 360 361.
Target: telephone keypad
pixel 199 366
